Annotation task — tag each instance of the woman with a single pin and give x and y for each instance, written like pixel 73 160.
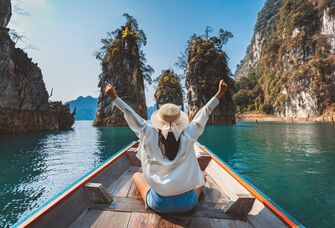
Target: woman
pixel 172 180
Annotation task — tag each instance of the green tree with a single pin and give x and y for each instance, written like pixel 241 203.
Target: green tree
pixel 205 63
pixel 168 89
pixel 117 45
pixel 124 65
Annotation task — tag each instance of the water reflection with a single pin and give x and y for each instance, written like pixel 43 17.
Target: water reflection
pixel 20 164
pixel 113 139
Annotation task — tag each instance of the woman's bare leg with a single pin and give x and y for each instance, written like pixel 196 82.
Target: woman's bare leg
pixel 199 191
pixel 141 185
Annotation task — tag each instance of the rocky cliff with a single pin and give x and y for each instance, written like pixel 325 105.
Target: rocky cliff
pixel 5 13
pixel 123 65
pixel 206 64
pixel 289 67
pixel 24 102
pixel 169 89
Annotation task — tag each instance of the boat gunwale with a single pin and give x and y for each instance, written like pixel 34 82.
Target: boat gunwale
pixel 57 199
pixel 278 211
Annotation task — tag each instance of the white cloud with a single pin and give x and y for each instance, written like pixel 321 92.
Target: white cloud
pixel 24 16
pixel 32 5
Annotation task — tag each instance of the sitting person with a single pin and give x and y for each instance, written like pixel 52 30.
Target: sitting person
pixel 172 180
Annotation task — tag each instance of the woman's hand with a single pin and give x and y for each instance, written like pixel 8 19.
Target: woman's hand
pixel 110 91
pixel 223 87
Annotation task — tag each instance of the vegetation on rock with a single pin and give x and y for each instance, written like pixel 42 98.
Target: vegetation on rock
pixel 123 65
pixel 295 70
pixel 168 89
pixel 205 64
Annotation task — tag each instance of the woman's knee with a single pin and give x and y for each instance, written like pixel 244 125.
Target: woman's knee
pixel 137 176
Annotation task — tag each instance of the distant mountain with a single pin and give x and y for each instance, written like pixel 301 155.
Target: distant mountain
pixel 86 107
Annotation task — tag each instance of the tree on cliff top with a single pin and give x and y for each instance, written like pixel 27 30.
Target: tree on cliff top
pixel 205 64
pixel 124 65
pixel 203 47
pixel 125 42
pixel 168 89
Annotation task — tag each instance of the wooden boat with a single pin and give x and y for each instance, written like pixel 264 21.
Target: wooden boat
pixel 106 197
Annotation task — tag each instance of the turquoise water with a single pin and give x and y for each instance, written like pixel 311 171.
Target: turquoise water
pixel 294 164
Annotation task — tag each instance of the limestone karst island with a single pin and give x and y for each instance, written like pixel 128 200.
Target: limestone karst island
pixel 167 114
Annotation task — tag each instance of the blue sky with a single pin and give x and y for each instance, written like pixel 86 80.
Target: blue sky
pixel 65 34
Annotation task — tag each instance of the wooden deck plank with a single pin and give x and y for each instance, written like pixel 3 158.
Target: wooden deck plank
pixel 123 204
pixel 210 210
pixel 100 218
pixel 225 181
pixel 144 220
pixel 219 223
pixel 260 216
pixel 214 192
pixel 121 186
pixel 133 192
pixel 154 220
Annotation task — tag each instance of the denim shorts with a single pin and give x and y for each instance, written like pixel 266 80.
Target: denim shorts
pixel 171 204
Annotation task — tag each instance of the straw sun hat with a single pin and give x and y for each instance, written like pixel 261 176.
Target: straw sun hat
pixel 169 118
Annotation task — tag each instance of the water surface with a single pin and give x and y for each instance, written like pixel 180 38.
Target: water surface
pixel 294 164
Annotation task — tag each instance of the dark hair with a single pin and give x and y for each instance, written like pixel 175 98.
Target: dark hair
pixel 168 146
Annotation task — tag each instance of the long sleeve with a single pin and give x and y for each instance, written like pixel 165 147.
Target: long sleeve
pixel 197 126
pixel 135 122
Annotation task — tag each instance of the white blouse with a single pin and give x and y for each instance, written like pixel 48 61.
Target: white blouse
pixel 166 177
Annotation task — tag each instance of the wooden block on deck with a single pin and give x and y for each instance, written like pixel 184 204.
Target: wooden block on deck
pixel 131 155
pixel 242 206
pixel 155 220
pixel 98 193
pixel 203 161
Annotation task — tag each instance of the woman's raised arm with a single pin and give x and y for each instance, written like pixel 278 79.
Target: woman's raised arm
pixel 197 125
pixel 134 121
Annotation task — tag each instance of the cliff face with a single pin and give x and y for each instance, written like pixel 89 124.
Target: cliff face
pixel 5 13
pixel 289 67
pixel 169 89
pixel 265 21
pixel 24 102
pixel 123 65
pixel 206 65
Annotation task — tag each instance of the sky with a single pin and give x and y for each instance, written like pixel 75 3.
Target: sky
pixel 62 35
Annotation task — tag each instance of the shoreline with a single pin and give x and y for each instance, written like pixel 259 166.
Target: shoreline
pixel 261 117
